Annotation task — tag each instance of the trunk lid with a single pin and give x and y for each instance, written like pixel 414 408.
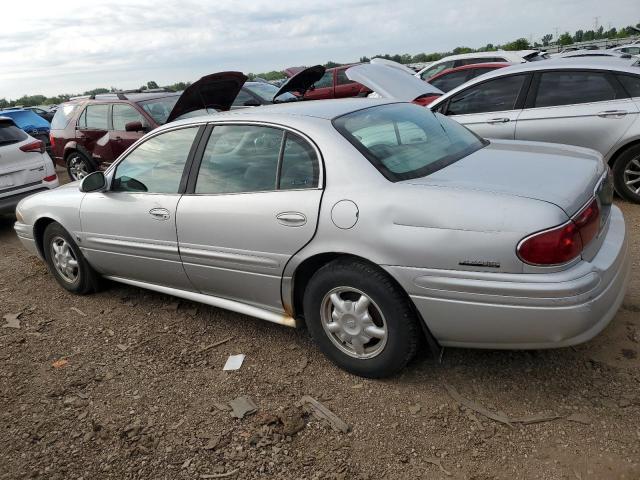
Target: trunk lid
pixel 564 175
pixel 217 91
pixel 389 82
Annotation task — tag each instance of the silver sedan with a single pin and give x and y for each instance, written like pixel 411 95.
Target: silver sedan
pixel 377 224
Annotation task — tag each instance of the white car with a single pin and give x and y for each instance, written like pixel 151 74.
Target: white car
pixel 452 61
pixel 630 49
pixel 25 166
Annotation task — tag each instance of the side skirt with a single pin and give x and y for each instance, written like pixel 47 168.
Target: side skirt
pixel 238 307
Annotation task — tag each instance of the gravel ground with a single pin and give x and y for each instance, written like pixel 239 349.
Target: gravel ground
pixel 129 384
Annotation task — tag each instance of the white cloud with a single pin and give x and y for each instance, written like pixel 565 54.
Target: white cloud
pixel 74 45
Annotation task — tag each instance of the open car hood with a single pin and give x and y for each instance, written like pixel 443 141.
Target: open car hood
pixel 217 91
pixel 391 82
pixel 392 64
pixel 302 80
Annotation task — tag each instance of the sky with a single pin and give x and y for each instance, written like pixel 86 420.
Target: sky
pixel 70 46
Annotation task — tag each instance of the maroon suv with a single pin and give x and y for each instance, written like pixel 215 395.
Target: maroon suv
pixel 89 133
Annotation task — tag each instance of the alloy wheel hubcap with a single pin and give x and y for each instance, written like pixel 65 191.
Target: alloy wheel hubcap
pixel 78 168
pixel 632 175
pixel 64 260
pixel 353 322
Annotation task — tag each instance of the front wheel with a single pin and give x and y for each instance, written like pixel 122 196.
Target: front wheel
pixel 361 319
pixel 66 262
pixel 626 174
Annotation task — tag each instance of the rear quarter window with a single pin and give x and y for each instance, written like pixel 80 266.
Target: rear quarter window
pixel 63 116
pixel 631 84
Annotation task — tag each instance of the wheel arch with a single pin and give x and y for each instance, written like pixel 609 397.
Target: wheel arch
pixel 309 266
pixel 38 232
pixel 621 149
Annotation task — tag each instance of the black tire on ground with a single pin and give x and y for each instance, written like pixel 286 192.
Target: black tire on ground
pixel 79 165
pixel 628 158
pixel 83 278
pixel 403 330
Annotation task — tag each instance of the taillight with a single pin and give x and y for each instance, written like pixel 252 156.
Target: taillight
pixel 35 146
pixel 52 141
pixel 564 243
pixel 425 99
pixel 50 178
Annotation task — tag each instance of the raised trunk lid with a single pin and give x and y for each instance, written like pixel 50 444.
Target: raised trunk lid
pixel 563 175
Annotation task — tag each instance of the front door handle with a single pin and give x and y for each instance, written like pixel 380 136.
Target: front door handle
pixel 159 213
pixel 612 113
pixel 291 219
pixel 499 120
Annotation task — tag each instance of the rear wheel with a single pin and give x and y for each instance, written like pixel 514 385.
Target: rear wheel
pixel 626 174
pixel 79 166
pixel 361 319
pixel 66 262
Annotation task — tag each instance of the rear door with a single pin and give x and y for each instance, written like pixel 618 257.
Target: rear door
pixel 323 88
pixel 121 114
pixel 586 108
pixel 252 203
pixel 490 108
pixel 92 131
pixel 129 231
pixel 344 86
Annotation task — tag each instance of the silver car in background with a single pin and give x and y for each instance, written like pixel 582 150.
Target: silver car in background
pixel 589 102
pixel 375 223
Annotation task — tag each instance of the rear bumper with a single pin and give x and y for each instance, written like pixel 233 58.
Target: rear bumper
pixel 8 203
pixel 523 311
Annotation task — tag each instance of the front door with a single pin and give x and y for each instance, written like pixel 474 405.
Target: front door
pixel 122 114
pixel 253 204
pixel 489 108
pixel 129 231
pixel 584 108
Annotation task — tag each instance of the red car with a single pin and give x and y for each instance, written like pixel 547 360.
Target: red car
pixel 454 77
pixel 333 84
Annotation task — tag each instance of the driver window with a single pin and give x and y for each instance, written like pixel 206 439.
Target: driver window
pixel 156 165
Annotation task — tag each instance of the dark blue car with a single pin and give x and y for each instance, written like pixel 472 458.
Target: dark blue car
pixel 30 122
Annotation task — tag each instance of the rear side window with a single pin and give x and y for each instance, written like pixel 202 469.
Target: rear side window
pixel 492 96
pixel 432 71
pixel 567 88
pixel 631 84
pixel 95 117
pixel 449 81
pixel 63 115
pixel 9 134
pixel 300 167
pixel 405 141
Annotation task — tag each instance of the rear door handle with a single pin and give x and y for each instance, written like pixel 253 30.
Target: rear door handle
pixel 159 213
pixel 499 120
pixel 612 113
pixel 291 219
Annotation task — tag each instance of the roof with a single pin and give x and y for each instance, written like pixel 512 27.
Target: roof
pixel 280 112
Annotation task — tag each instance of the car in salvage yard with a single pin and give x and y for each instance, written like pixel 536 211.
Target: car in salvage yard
pixel 374 222
pixel 25 166
pixel 588 102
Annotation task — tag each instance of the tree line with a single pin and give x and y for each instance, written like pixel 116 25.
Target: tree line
pixel 546 40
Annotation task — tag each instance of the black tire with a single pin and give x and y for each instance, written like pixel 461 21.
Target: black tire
pixel 79 165
pixel 621 164
pixel 403 333
pixel 86 280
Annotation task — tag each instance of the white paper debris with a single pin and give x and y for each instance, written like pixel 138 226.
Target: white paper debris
pixel 234 362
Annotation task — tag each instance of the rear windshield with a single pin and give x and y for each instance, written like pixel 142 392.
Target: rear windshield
pixel 63 115
pixel 405 141
pixel 160 108
pixel 9 134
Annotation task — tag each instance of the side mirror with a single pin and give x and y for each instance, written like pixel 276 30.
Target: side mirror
pixel 251 103
pixel 134 126
pixel 94 182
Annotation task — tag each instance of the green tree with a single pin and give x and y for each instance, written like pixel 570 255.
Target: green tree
pixel 519 44
pixel 152 84
pixel 565 39
pixel 546 39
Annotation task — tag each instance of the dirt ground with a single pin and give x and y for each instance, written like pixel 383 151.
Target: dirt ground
pixel 128 384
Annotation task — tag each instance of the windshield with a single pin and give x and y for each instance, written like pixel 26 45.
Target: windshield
pixel 266 91
pixel 159 108
pixel 405 141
